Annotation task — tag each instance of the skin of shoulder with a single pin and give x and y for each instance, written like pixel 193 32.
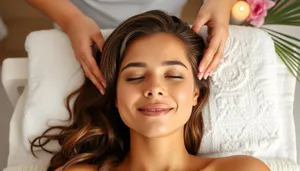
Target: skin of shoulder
pixel 80 167
pixel 232 163
pixel 239 163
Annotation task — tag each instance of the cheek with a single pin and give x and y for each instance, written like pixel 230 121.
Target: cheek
pixel 184 97
pixel 183 93
pixel 122 97
pixel 125 102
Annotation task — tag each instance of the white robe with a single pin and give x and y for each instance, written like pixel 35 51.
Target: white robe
pixel 110 13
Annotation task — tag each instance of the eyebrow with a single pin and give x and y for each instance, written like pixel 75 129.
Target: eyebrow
pixel 143 64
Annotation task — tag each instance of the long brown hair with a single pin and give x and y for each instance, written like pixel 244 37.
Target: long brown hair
pixel 97 134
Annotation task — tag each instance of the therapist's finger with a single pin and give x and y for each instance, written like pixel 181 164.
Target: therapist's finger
pixel 99 40
pixel 208 55
pixel 94 69
pixel 216 60
pixel 92 77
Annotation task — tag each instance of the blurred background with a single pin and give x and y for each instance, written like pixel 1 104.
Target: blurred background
pixel 21 19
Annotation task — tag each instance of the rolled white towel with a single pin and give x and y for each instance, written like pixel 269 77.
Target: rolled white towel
pixel 26 168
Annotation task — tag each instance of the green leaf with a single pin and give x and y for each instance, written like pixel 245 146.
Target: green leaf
pixel 285 12
pixel 289 8
pixel 290 23
pixel 287 49
pixel 285 54
pixel 282 34
pixel 284 42
pixel 283 59
pixel 277 7
pixel 290 54
pixel 291 67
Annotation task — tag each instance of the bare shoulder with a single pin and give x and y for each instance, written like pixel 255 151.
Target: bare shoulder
pixel 238 163
pixel 80 167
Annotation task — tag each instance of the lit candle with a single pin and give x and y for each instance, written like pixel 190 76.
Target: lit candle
pixel 240 11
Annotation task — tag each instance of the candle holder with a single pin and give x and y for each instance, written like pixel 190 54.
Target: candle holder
pixel 239 12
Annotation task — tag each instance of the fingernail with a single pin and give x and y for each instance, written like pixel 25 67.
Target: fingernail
pixel 211 74
pixel 102 92
pixel 206 75
pixel 201 69
pixel 104 84
pixel 200 75
pixel 193 27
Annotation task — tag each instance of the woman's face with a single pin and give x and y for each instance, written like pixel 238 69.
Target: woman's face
pixel 156 90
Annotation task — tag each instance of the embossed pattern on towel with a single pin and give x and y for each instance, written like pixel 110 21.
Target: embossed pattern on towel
pixel 241 115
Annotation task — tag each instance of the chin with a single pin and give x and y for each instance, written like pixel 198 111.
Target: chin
pixel 156 132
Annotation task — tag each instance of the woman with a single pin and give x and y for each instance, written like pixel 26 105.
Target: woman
pixel 150 117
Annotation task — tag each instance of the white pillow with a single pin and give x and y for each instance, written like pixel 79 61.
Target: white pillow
pixel 53 74
pixel 242 102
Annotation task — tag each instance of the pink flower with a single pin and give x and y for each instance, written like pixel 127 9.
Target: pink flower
pixel 259 10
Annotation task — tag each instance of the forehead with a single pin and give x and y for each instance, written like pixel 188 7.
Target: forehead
pixel 156 47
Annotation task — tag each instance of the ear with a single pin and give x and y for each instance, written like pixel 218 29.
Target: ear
pixel 196 95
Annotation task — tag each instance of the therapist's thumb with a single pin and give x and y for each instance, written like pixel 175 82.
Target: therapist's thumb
pixel 99 40
pixel 200 21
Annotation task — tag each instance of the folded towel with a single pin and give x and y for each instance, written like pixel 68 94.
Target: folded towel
pixel 26 168
pixel 241 115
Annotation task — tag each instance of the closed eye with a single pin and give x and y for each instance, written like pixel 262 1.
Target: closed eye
pixel 176 77
pixel 134 79
pixel 139 78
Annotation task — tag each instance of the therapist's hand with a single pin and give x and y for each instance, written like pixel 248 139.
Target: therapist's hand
pixel 83 33
pixel 215 14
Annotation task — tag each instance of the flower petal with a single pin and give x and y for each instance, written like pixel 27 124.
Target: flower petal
pixel 250 2
pixel 269 3
pixel 258 22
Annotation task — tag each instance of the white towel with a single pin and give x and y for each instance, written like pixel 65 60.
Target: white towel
pixel 241 115
pixel 26 168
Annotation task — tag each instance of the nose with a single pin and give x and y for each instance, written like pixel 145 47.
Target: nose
pixel 154 89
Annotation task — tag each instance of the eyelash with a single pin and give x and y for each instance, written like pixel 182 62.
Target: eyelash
pixel 139 78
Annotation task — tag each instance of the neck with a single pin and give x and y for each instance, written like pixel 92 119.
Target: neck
pixel 157 154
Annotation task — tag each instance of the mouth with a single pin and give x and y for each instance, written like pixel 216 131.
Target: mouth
pixel 154 111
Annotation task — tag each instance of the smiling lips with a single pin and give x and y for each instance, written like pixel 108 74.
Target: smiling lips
pixel 155 109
